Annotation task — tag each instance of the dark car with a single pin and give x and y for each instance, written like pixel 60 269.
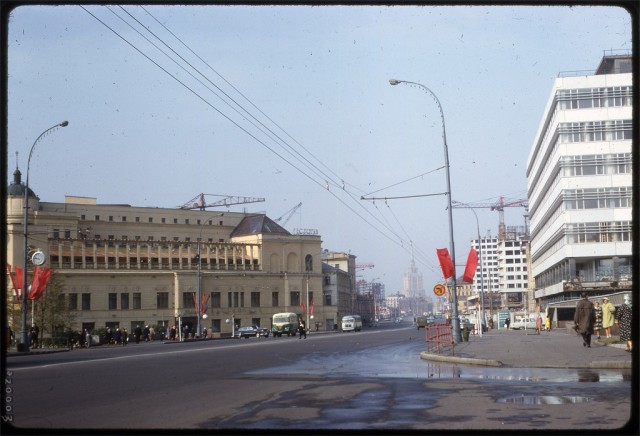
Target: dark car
pixel 252 331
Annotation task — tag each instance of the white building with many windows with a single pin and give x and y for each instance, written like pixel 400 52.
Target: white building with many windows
pixel 580 185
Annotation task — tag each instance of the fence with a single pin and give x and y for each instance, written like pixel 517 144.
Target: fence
pixel 439 338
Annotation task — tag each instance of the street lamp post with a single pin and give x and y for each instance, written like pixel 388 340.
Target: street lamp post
pixel 23 329
pixel 455 320
pixel 483 320
pixel 199 296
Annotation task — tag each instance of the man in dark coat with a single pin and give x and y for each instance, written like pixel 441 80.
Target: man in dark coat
pixel 584 319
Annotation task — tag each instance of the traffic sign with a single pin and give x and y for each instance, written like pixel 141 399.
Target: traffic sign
pixel 439 290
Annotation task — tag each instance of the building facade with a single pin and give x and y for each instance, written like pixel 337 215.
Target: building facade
pixel 122 266
pixel 579 175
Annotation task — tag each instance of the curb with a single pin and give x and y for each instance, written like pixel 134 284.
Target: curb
pixel 463 360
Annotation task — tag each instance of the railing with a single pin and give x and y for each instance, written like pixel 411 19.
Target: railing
pixel 439 338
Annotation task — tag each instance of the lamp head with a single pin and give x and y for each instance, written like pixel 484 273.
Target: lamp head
pixel 64 124
pixel 394 81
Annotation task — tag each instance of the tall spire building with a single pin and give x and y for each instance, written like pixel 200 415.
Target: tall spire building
pixel 412 281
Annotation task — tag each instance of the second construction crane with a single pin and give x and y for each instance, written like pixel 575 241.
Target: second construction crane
pixel 499 206
pixel 198 202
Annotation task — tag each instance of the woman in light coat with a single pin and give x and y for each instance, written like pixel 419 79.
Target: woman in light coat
pixel 608 311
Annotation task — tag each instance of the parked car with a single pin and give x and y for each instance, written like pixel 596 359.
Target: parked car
pixel 251 331
pixel 524 323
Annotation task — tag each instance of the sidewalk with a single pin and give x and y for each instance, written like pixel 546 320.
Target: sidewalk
pixel 527 349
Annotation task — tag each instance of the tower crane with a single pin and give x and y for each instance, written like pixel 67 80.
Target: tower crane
pixel 288 214
pixel 227 200
pixel 499 206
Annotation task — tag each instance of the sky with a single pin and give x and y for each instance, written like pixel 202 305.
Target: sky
pixel 293 104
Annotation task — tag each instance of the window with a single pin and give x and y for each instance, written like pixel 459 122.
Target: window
pixel 97 217
pixel 308 263
pixel 295 298
pixel 86 301
pixel 73 301
pixel 327 299
pixel 150 219
pixel 110 217
pixel 113 301
pixel 215 299
pixel 124 301
pixel 274 299
pixel 137 219
pixel 124 219
pixel 255 299
pixel 56 233
pixel 137 301
pixel 186 221
pixel 162 299
pixel 164 220
pixel 67 234
pixel 188 299
pixel 175 220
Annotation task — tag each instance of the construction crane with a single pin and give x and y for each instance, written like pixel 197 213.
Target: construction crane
pixel 198 202
pixel 288 214
pixel 499 206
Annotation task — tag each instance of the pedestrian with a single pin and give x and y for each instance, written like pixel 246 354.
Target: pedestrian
pixel 152 333
pixel 137 333
pixel 547 323
pixel 117 336
pixel 608 316
pixel 35 331
pixel 87 337
pixel 70 339
pixel 172 333
pixel 539 324
pixel 507 322
pixel 623 321
pixel 302 330
pixel 204 333
pixel 584 319
pixel 145 333
pixel 108 336
pixel 597 326
pixel 125 337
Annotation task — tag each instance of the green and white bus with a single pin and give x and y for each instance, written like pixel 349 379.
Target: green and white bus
pixel 284 323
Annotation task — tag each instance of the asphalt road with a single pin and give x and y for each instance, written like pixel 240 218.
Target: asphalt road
pixel 369 380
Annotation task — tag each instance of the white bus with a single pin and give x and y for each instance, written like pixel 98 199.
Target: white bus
pixel 351 323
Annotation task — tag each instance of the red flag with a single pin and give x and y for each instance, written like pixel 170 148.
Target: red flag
pixel 39 283
pixel 304 308
pixel 446 263
pixel 472 264
pixel 13 281
pixel 311 307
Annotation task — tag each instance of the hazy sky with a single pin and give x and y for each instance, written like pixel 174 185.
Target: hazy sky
pixel 293 104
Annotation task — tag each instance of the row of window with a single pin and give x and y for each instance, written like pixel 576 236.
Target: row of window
pixel 150 220
pixel 593 131
pixel 615 231
pixel 597 198
pixel 586 98
pixel 596 164
pixel 213 299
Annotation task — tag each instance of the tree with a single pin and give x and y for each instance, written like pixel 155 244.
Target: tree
pixel 51 311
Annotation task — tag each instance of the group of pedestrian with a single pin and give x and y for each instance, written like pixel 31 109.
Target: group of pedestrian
pixel 590 318
pixel 117 336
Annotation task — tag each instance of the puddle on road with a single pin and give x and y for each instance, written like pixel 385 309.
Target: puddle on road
pixel 536 400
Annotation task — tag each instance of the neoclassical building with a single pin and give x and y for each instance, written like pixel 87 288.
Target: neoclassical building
pixel 122 265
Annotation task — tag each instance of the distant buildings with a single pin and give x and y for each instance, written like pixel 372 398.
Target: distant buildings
pixel 579 175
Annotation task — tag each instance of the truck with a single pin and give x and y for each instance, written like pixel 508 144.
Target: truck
pixel 284 323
